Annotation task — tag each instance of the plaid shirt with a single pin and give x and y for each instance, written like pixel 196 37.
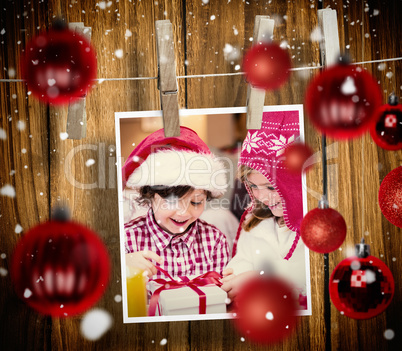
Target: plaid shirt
pixel 201 249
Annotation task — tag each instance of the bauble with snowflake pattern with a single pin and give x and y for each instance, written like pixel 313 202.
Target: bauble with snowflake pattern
pixel 361 286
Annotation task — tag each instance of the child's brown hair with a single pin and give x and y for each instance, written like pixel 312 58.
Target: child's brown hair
pixel 260 211
pixel 147 193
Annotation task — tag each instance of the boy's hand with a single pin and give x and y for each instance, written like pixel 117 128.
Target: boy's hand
pixel 141 259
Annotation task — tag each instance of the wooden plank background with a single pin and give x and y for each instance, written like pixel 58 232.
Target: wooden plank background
pixel 44 175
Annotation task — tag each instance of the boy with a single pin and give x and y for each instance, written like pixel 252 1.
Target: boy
pixel 174 177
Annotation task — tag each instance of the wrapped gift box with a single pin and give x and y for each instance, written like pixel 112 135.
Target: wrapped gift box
pixel 185 300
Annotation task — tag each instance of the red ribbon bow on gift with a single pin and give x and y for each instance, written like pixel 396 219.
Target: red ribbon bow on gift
pixel 202 280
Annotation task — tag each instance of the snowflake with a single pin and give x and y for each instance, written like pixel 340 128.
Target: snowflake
pixel 251 142
pixel 280 144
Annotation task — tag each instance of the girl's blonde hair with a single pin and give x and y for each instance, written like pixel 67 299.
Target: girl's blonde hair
pixel 260 211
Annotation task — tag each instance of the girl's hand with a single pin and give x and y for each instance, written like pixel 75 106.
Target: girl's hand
pixel 141 259
pixel 227 280
pixel 232 283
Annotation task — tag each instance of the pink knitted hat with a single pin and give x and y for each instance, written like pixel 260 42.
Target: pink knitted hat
pixel 174 161
pixel 263 151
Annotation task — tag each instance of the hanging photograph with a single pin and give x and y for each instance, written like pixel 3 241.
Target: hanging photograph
pixel 204 213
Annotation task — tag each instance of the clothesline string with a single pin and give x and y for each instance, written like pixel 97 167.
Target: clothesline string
pixel 100 80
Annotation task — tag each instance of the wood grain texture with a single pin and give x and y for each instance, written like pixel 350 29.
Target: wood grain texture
pixel 24 156
pixel 263 32
pixel 362 165
pixel 56 169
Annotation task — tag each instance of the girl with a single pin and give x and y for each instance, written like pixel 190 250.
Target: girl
pixel 269 232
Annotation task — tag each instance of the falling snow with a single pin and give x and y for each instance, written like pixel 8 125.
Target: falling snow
pixel 27 293
pixel 119 53
pixel 96 323
pixel 128 33
pixel 102 5
pixel 63 136
pixel 389 334
pixel 355 265
pixel 3 134
pixel 348 86
pixel 235 31
pixel 163 342
pixel 389 75
pixel 7 190
pixel 89 162
pixel 11 72
pixel 382 66
pixel 21 125
pixel 3 271
pixel 316 34
pixel 18 229
pixel 231 53
pixel 117 298
pixel 370 276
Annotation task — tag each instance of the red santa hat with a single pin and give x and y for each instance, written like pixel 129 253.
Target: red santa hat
pixel 174 161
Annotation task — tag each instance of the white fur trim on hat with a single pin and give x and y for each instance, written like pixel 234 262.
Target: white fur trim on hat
pixel 173 168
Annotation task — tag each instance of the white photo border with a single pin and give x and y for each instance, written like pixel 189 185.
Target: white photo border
pixel 194 112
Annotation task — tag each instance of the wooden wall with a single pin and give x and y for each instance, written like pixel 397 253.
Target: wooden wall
pixel 40 178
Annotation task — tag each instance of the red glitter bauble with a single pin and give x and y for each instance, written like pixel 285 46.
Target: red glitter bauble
pixel 266 310
pixel 296 155
pixel 342 100
pixel 361 288
pixel 386 130
pixel 390 197
pixel 323 230
pixel 266 66
pixel 59 66
pixel 60 268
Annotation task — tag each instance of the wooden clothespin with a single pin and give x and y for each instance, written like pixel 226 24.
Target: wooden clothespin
pixel 330 51
pixel 263 32
pixel 329 46
pixel 76 116
pixel 167 82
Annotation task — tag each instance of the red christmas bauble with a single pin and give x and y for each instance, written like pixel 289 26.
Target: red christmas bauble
pixel 296 155
pixel 59 66
pixel 60 268
pixel 361 288
pixel 390 196
pixel 323 230
pixel 266 310
pixel 266 66
pixel 386 129
pixel 341 101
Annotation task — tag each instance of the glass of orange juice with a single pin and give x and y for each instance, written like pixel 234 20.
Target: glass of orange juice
pixel 136 292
